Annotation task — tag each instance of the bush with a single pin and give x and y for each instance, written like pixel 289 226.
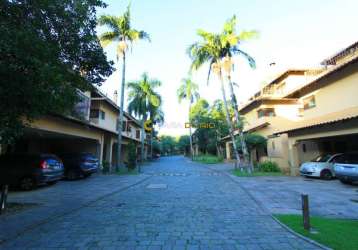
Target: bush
pixel 208 159
pixel 105 167
pixel 268 166
pixel 132 156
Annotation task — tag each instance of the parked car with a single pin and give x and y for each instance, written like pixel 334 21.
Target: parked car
pixel 322 167
pixel 30 170
pixel 79 165
pixel 346 168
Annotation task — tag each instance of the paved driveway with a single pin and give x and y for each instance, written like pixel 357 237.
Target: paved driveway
pixel 174 204
pixel 282 195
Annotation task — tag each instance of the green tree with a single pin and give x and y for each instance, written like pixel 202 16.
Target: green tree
pixel 184 144
pixel 46 55
pixel 231 41
pixel 212 49
pixel 142 99
pixel 254 141
pixel 168 144
pixel 156 115
pixel 188 91
pixel 122 33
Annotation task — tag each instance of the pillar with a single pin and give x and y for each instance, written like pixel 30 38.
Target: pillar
pixel 293 157
pixel 228 151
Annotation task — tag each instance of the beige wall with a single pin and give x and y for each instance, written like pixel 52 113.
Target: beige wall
pixel 339 95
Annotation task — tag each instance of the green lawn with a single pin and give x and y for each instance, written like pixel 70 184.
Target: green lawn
pixel 208 159
pixel 338 234
pixel 237 172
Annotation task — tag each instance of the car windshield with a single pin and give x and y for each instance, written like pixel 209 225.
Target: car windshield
pixel 322 158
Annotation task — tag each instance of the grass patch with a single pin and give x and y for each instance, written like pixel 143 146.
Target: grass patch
pixel 338 234
pixel 126 171
pixel 208 159
pixel 237 172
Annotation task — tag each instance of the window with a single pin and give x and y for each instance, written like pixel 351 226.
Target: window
pixel 137 133
pixel 309 102
pixel 304 149
pixel 102 114
pixel 266 112
pixel 124 126
pixel 94 113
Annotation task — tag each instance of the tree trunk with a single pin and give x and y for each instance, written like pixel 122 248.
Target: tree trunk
pixel 151 143
pixel 4 191
pixel 142 142
pixel 191 141
pixel 121 111
pixel 231 127
pixel 241 132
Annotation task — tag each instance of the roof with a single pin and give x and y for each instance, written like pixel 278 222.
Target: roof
pixel 326 73
pixel 256 126
pixel 342 53
pixel 342 115
pixel 273 99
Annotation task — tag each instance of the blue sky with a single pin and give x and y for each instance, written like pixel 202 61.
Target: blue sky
pixel 294 34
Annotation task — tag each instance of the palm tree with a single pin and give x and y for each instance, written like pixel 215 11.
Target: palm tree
pixel 188 91
pixel 156 115
pixel 120 32
pixel 216 49
pixel 142 97
pixel 232 40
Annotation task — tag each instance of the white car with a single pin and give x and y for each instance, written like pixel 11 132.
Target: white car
pixel 322 167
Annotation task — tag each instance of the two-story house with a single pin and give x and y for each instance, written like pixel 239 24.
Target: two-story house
pixel 329 107
pixel 306 113
pixel 91 127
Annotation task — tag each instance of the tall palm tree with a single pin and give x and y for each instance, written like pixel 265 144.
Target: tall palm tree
pixel 142 97
pixel 120 32
pixel 232 40
pixel 156 115
pixel 216 49
pixel 188 91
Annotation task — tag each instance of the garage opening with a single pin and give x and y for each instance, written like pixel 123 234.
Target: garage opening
pixel 40 141
pixel 309 149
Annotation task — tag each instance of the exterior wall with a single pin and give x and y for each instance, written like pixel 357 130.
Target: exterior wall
pixel 339 95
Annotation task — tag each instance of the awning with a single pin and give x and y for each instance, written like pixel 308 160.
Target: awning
pixel 330 118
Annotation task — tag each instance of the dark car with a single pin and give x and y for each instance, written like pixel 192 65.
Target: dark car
pixel 30 170
pixel 346 168
pixel 79 165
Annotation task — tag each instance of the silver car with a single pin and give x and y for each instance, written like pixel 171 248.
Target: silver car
pixel 346 168
pixel 321 167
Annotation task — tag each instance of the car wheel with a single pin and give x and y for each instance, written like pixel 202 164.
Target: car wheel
pixel 345 181
pixel 71 175
pixel 326 175
pixel 27 183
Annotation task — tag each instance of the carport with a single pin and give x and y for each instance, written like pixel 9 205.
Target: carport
pixel 56 135
pixel 338 133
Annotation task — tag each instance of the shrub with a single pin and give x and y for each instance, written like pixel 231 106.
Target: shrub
pixel 132 156
pixel 208 159
pixel 105 167
pixel 268 166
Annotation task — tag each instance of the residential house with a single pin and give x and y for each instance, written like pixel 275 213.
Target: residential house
pixel 305 113
pixel 92 127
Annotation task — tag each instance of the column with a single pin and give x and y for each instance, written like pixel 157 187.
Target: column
pixel 293 157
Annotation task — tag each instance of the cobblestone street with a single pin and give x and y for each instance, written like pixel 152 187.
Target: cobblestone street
pixel 173 204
